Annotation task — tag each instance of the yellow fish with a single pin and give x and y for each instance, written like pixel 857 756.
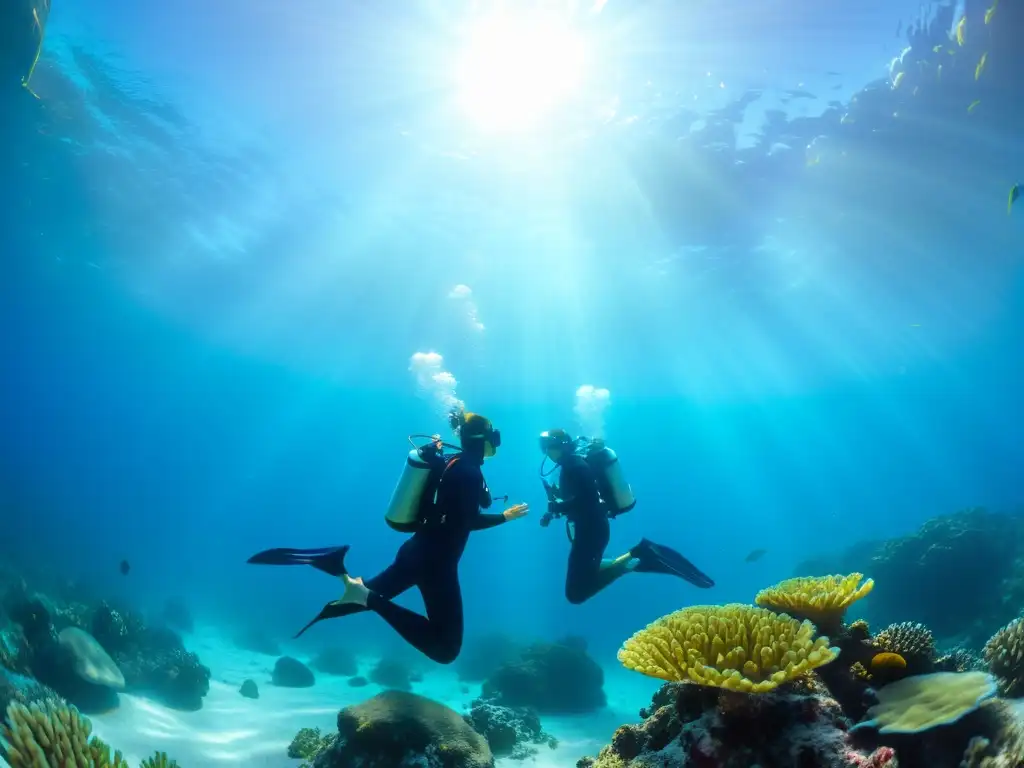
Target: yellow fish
pixel 897 80
pixel 973 105
pixel 937 48
pixel 981 65
pixel 991 12
pixel 960 30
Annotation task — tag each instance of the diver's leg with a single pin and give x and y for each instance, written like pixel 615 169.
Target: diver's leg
pixel 397 578
pixel 438 635
pixel 587 574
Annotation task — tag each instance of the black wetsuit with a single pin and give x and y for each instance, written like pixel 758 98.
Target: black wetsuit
pixel 580 502
pixel 429 560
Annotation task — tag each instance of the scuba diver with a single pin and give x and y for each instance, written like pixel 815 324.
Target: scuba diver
pixel 591 491
pixel 437 499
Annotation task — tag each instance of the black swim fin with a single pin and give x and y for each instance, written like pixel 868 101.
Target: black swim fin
pixel 330 560
pixel 657 558
pixel 334 610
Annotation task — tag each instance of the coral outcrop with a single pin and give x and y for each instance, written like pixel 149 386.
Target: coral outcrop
pixel 398 729
pixel 690 726
pixel 509 731
pixel 549 678
pixel 737 647
pixel 292 673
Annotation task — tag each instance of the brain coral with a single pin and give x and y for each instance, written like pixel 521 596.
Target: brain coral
pixel 821 599
pixel 737 647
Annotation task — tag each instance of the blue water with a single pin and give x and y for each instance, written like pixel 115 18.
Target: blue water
pixel 228 227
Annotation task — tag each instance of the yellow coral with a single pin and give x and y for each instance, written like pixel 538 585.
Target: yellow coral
pixel 736 647
pixel 888 660
pixel 923 702
pixel 821 599
pixel 52 734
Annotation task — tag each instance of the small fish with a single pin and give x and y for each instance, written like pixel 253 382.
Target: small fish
pixel 937 48
pixel 972 105
pixel 938 73
pixel 1014 194
pixel 897 80
pixel 755 555
pixel 125 567
pixel 981 65
pixel 991 12
pixel 960 27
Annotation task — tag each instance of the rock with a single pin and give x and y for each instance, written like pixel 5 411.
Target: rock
pixel 358 681
pixel 336 661
pixel 484 654
pixel 249 690
pixel 397 729
pixel 88 659
pixel 551 678
pixel 292 673
pixel 391 673
pixel 257 641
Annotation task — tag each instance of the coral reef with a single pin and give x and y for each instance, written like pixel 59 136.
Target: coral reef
pixel 822 600
pixel 550 678
pixel 1004 654
pixel 292 673
pixel 690 725
pixel 249 689
pixel 737 647
pixel 397 729
pixel 913 642
pixel 509 731
pixel 961 574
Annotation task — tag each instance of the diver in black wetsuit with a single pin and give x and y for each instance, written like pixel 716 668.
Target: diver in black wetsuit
pixel 429 560
pixel 578 498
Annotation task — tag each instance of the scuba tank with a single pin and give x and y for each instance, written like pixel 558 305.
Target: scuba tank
pixel 612 484
pixel 416 491
pixel 404 509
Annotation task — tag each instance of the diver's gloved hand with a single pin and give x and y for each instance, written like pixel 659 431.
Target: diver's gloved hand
pixel 516 511
pixel 546 519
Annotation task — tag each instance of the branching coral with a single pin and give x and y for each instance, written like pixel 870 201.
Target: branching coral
pixel 820 599
pixel 914 642
pixel 308 743
pixel 159 760
pixel 959 660
pixel 52 734
pixel 736 647
pixel 1004 654
pixel 920 703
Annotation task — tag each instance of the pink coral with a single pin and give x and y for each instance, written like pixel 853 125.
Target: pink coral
pixel 883 757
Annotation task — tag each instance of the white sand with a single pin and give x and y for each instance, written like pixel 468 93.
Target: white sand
pixel 233 730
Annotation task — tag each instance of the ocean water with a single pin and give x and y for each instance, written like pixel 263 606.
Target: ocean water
pixel 249 247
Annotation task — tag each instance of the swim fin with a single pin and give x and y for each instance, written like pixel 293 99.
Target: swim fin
pixel 334 610
pixel 330 560
pixel 657 558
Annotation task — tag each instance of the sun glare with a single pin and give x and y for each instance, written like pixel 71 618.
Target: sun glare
pixel 514 70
